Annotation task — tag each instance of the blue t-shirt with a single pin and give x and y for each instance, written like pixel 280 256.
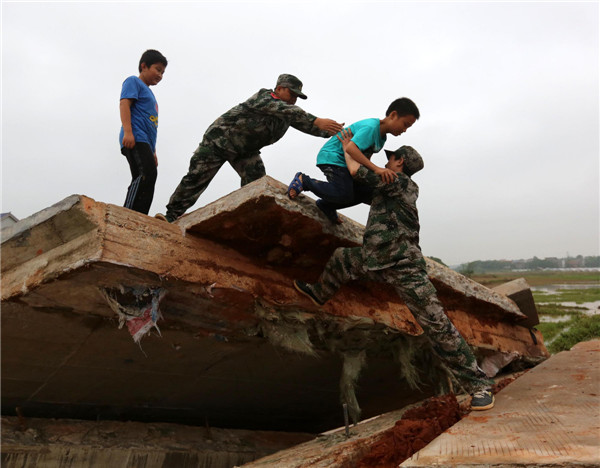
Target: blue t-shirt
pixel 144 111
pixel 366 135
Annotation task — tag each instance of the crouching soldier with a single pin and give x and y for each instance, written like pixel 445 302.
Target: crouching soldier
pixel 391 254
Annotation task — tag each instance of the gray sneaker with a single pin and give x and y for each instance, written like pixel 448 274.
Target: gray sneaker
pixel 482 400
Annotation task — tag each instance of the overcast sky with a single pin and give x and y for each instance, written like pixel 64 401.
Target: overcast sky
pixel 508 94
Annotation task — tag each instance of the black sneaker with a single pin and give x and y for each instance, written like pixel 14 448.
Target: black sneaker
pixel 305 289
pixel 482 400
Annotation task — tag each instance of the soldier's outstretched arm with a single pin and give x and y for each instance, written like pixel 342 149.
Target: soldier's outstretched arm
pixel 328 125
pixel 300 119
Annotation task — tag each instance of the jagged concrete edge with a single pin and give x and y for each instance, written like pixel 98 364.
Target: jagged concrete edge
pixel 471 288
pixel 349 230
pixel 267 187
pixel 38 218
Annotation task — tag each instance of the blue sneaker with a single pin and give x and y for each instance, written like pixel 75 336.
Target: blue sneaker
pixel 482 400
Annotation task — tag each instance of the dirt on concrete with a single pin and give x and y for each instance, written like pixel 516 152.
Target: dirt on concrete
pixel 417 427
pixel 549 417
pixel 500 384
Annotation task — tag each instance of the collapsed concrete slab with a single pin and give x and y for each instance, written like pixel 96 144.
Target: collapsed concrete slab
pixel 549 417
pixel 541 419
pixel 260 221
pixel 90 444
pixel 352 446
pixel 519 291
pixel 238 345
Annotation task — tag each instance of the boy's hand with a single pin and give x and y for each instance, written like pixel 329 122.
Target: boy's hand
pixel 387 175
pixel 125 112
pixel 155 159
pixel 345 137
pixel 328 125
pixel 128 140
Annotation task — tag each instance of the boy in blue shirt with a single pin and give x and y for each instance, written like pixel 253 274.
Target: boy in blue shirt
pixel 369 135
pixel 139 120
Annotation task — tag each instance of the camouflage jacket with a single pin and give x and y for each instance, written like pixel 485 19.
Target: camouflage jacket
pixel 392 234
pixel 260 121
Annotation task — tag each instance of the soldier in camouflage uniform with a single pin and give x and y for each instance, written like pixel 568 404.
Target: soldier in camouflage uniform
pixel 391 254
pixel 239 134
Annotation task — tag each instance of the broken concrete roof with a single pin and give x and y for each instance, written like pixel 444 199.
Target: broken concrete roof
pixel 261 221
pixel 41 442
pixel 229 308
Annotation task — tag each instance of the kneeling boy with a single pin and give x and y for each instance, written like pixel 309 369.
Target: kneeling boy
pixel 368 137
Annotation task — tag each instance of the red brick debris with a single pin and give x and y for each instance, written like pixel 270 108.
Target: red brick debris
pixel 417 427
pixel 508 380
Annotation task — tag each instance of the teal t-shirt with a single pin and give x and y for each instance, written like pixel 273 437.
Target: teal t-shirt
pixel 366 135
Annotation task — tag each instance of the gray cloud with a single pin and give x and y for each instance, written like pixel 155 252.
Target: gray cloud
pixel 508 94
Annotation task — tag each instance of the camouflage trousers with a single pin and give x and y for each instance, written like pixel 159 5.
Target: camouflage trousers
pixel 414 288
pixel 204 165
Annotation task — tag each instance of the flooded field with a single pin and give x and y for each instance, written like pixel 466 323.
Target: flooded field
pixel 584 298
pixel 569 313
pixel 567 300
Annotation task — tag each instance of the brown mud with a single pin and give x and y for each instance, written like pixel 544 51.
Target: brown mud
pixel 506 381
pixel 416 428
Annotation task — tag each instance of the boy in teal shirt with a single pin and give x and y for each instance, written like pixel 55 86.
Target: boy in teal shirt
pixel 369 136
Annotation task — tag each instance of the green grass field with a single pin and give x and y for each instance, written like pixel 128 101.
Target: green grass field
pixel 539 278
pixel 554 310
pixel 579 296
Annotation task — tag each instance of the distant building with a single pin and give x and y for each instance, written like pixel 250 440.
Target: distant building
pixel 7 219
pixel 575 262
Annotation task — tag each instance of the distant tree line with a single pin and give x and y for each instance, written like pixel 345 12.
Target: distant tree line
pixel 535 263
pixel 439 260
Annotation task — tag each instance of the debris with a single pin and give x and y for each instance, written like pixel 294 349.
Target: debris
pixel 415 430
pixel 519 291
pixel 353 364
pixel 137 306
pixel 493 363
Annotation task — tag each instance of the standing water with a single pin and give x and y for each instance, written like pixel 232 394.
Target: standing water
pixel 551 290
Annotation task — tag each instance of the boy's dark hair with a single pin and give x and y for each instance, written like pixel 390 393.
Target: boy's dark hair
pixel 403 106
pixel 150 57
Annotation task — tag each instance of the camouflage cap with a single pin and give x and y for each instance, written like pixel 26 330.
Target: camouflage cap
pixel 293 83
pixel 413 162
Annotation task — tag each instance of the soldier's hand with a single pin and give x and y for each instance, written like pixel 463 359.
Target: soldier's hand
pixel 328 125
pixel 345 136
pixel 387 175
